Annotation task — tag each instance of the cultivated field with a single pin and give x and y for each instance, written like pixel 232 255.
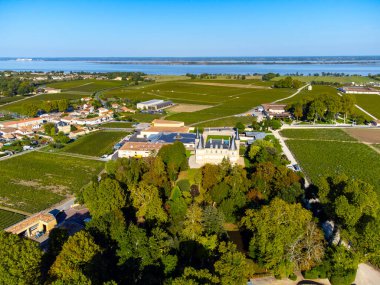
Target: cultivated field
pixel 226 122
pixel 370 103
pixel 117 125
pixel 319 157
pixel 187 108
pixel 36 180
pixel 318 90
pixel 95 144
pixel 9 218
pixel 340 79
pixel 317 134
pixel 371 136
pixel 87 85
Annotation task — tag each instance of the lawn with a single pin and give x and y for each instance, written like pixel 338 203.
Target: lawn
pixel 9 218
pixel 370 103
pixel 95 144
pixel 34 181
pixel 317 134
pixel 319 158
pixel 89 85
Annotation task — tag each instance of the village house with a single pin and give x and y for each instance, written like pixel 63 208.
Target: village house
pixel 22 123
pixel 127 110
pixel 63 127
pixel 78 133
pixel 139 149
pixel 86 99
pixel 275 111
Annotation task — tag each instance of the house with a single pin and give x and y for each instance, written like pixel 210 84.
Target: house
pixel 210 149
pixel 359 90
pixel 78 133
pixel 115 106
pixel 139 149
pixel 119 78
pixel 127 110
pixel 154 104
pixel 22 123
pixel 86 99
pixel 167 123
pixel 102 111
pixel 275 111
pixel 63 127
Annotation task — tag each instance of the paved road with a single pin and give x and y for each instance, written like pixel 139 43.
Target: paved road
pixel 367 275
pixel 294 94
pixel 288 153
pixel 22 153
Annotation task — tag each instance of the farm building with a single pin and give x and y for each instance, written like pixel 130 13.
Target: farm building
pixel 275 111
pixel 154 104
pixel 359 90
pixel 188 139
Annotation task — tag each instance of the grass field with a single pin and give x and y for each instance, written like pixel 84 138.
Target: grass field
pixel 18 106
pixel 318 157
pixel 36 180
pixel 5 100
pixel 9 218
pixel 117 125
pixel 95 144
pixel 227 122
pixel 317 90
pixel 317 134
pixel 87 85
pixel 370 103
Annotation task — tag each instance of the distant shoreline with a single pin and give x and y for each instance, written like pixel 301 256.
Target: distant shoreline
pixel 233 62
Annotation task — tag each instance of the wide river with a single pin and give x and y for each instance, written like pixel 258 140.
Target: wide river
pixel 179 69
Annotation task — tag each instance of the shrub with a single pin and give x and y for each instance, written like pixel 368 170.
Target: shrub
pixel 343 278
pixel 184 185
pixel 293 277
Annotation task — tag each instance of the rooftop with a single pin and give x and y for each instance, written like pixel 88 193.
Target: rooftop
pixel 152 102
pixel 141 146
pixel 167 129
pixel 173 137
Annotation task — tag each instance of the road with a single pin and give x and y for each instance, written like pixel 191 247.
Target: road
pixel 294 94
pixel 367 275
pixel 288 153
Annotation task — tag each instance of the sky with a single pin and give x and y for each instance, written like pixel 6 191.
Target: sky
pixel 68 28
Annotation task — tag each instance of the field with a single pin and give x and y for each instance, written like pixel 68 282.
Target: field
pixel 95 144
pixel 317 134
pixel 117 125
pixel 36 180
pixel 187 108
pixel 226 101
pixel 227 122
pixel 9 218
pixel 311 94
pixel 370 103
pixel 371 136
pixel 340 79
pixel 17 106
pixel 5 100
pixel 318 157
pixel 87 85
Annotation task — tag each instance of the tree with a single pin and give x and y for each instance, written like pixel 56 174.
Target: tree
pixel 275 228
pixel 275 124
pixel 192 276
pixel 232 267
pixel 63 105
pixel 47 106
pixel 48 127
pixel 298 110
pixel 213 221
pixel 175 159
pixel 20 260
pixel 240 127
pixel 347 105
pixel 127 170
pixel 30 110
pixel 177 205
pixel 192 226
pixel 105 197
pixel 147 202
pixel 75 263
pixel 316 110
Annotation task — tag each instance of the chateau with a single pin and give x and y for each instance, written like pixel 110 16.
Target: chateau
pixel 213 146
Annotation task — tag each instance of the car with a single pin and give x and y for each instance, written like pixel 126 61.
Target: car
pixel 296 167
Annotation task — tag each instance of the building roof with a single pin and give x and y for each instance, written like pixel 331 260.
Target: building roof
pixel 141 146
pixel 274 106
pixel 152 102
pixel 166 122
pixel 360 89
pixel 43 217
pixel 167 129
pixel 21 121
pixel 186 138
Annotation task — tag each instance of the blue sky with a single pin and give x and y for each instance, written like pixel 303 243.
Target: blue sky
pixel 189 28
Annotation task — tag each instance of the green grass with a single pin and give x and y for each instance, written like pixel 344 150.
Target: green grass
pixel 317 90
pixel 95 144
pixel 143 118
pixel 117 125
pixel 317 134
pixel 370 103
pixel 377 145
pixel 8 219
pixel 5 100
pixel 34 181
pixel 320 158
pixel 216 137
pixel 343 79
pixel 90 85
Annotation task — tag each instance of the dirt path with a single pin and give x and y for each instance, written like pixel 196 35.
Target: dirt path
pixel 78 155
pixel 15 211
